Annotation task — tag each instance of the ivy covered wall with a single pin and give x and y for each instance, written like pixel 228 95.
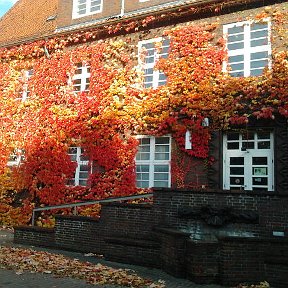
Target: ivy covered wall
pixel 105 120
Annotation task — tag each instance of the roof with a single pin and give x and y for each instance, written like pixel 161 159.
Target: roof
pixel 27 20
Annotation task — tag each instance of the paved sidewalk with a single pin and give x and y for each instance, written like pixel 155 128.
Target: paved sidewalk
pixel 9 279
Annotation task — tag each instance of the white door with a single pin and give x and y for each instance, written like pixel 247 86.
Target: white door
pixel 248 161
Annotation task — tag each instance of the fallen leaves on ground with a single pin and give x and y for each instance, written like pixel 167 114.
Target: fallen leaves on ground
pixel 22 260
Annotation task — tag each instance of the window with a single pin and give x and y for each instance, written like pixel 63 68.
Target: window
pixel 83 8
pixel 81 78
pixel 153 162
pixel 83 167
pixel 248 160
pixel 16 157
pixel 24 79
pixel 249 47
pixel 149 52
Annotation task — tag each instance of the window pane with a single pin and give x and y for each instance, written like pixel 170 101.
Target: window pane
pixel 161 176
pixel 237 58
pixel 256 72
pixel 83 182
pixel 263 135
pixel 259 55
pixel 260 181
pixel 144 141
pixel 259 34
pixel 236 170
pixel 235 29
pixel 142 168
pixel 259 42
pixel 143 156
pixel 161 168
pixel 162 140
pixel 259 26
pixel 83 175
pixel 142 184
pixel 162 149
pixel 237 74
pixel 248 136
pixel 259 161
pixel 236 46
pixel 260 63
pixel 236 38
pixel 264 145
pixel 160 183
pixel 162 156
pixel 238 66
pixel 259 171
pixel 248 145
pixel 236 160
pixel 143 149
pixel 233 145
pixel 237 181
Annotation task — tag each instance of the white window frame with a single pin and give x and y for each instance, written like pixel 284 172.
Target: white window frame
pixel 80 162
pixel 156 74
pixel 247 50
pixel 26 75
pixel 152 162
pixel 82 77
pixel 18 157
pixel 248 154
pixel 76 14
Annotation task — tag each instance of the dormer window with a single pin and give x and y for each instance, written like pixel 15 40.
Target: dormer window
pixel 83 8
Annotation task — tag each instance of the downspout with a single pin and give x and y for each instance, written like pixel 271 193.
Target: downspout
pixel 122 12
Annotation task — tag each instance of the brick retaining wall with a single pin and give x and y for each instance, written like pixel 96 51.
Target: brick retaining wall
pixel 172 234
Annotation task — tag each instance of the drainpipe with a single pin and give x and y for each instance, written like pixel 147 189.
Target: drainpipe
pixel 122 8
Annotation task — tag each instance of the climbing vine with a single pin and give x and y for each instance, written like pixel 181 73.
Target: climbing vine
pixel 105 119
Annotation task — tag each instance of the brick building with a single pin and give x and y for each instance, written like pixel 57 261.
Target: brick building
pixel 106 98
pixel 249 153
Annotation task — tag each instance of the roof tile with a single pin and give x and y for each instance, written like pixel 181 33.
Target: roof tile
pixel 27 20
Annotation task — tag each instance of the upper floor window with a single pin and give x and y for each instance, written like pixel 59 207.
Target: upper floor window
pixel 153 162
pixel 249 47
pixel 83 8
pixel 24 91
pixel 81 78
pixel 83 168
pixel 149 53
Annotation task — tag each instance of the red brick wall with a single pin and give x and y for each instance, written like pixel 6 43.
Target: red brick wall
pixel 156 236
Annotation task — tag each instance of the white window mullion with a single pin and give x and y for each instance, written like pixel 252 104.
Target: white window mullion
pixel 152 162
pixel 247 172
pixel 246 50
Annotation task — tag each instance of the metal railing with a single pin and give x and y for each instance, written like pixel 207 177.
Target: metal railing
pixel 77 204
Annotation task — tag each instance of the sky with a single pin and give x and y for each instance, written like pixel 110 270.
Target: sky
pixel 5 5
